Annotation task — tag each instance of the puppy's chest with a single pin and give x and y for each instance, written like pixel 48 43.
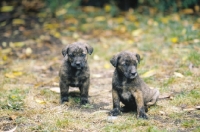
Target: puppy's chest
pixel 76 81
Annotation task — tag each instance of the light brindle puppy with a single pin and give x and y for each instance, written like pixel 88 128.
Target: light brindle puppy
pixel 74 71
pixel 128 87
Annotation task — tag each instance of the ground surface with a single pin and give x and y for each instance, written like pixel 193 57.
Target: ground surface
pixel 170 50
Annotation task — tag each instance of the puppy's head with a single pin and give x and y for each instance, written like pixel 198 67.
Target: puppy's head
pixel 126 63
pixel 76 54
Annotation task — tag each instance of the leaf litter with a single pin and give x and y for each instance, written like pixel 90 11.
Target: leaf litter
pixel 38 61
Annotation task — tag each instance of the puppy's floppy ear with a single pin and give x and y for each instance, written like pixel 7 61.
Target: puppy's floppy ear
pixel 114 60
pixel 65 50
pixel 138 57
pixel 89 48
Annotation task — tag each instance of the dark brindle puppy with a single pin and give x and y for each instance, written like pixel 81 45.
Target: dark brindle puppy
pixel 128 87
pixel 74 71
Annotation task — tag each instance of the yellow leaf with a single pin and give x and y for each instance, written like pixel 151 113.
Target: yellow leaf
pixel 149 73
pixel 107 8
pixel 136 32
pixel 17 44
pixel 107 66
pixel 174 40
pixel 28 51
pixel 61 12
pixel 40 101
pixel 119 19
pixel 5 58
pixel 55 89
pixel 10 75
pixel 6 8
pixel 57 35
pixel 18 22
pixel 96 57
pixel 99 18
pixel 177 74
pixel 165 20
pixel 17 73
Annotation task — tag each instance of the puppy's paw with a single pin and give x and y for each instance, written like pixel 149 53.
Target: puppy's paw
pixel 143 116
pixel 64 99
pixel 115 112
pixel 84 101
pixel 142 113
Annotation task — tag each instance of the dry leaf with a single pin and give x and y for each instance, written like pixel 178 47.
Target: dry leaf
pixel 96 57
pixel 6 8
pixel 177 74
pixel 136 32
pixel 149 73
pixel 99 18
pixel 162 112
pixel 97 75
pixel 28 51
pixel 189 109
pixel 107 8
pixel 198 107
pixel 55 89
pixel 107 66
pixel 40 101
pixel 18 22
pixel 13 74
pixel 174 40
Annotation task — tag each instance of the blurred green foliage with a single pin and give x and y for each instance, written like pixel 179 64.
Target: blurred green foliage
pixel 160 5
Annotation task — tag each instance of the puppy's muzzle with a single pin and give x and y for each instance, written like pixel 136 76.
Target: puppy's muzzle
pixel 133 75
pixel 77 64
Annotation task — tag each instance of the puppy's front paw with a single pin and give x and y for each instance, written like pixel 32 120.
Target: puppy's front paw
pixel 64 99
pixel 115 112
pixel 143 115
pixel 84 101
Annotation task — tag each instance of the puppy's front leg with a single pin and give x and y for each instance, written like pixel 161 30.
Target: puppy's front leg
pixel 84 92
pixel 140 104
pixel 116 103
pixel 64 88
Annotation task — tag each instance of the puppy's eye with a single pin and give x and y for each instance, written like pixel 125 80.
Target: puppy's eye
pixel 70 55
pixel 83 55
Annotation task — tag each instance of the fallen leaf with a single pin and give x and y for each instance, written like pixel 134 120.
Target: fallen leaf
pixel 96 57
pixel 40 101
pixel 162 112
pixel 17 44
pixel 177 74
pixel 28 51
pixel 149 73
pixel 100 18
pixel 18 22
pixel 13 74
pixel 97 75
pixel 106 65
pixel 107 8
pixel 6 8
pixel 55 89
pixel 189 109
pixel 174 40
pixel 198 107
pixel 136 32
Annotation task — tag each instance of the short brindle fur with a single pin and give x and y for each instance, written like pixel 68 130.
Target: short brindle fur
pixel 74 71
pixel 128 87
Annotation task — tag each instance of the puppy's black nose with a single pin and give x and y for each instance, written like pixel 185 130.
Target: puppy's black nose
pixel 78 63
pixel 133 73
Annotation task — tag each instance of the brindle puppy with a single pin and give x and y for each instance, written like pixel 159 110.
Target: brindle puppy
pixel 74 71
pixel 128 87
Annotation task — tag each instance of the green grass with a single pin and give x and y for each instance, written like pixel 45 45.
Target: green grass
pixel 190 98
